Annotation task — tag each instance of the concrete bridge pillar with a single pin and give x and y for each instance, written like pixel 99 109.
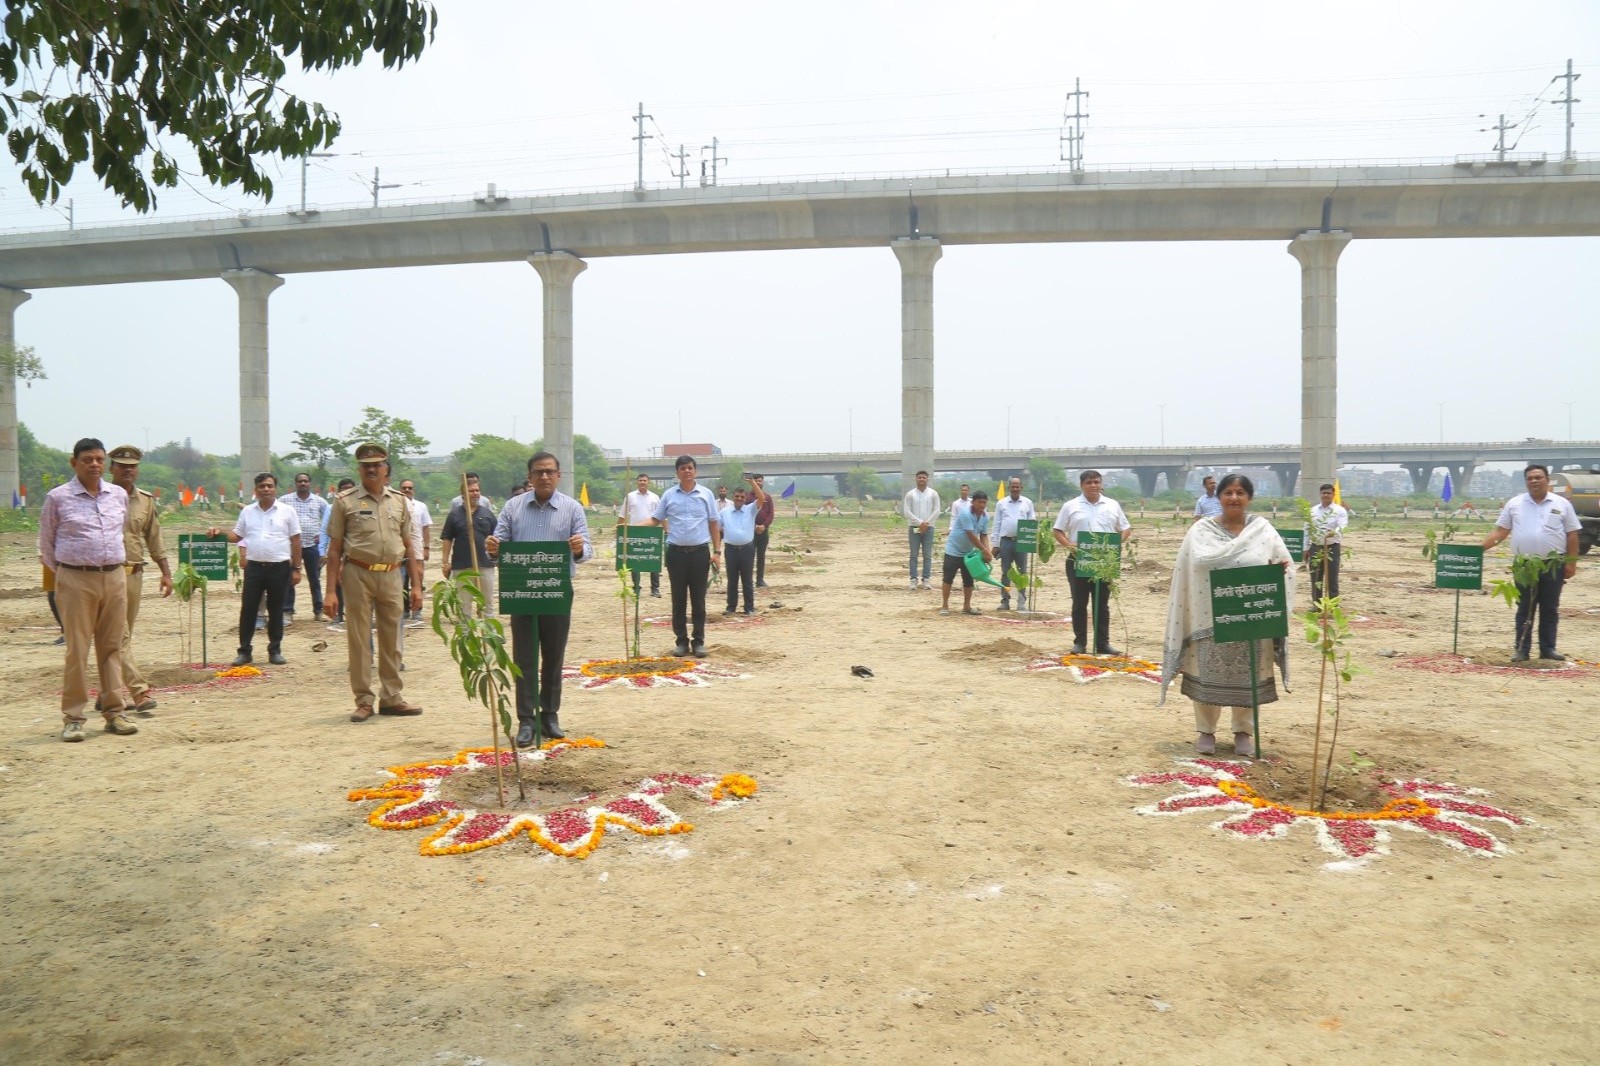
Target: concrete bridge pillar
pixel 1421 474
pixel 10 448
pixel 1461 477
pixel 1318 252
pixel 917 257
pixel 254 287
pixel 1177 477
pixel 1288 474
pixel 10 451
pixel 557 272
pixel 1147 476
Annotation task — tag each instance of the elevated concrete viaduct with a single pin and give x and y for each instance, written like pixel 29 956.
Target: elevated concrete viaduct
pixel 1316 211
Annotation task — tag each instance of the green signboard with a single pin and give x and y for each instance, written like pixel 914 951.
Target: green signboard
pixel 1249 603
pixel 1458 566
pixel 1294 539
pixel 535 577
pixel 208 555
pixel 639 548
pixel 1093 547
pixel 1028 535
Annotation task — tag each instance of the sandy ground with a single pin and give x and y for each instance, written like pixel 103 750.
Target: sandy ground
pixel 943 863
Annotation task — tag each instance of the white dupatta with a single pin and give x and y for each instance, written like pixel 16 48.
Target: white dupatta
pixel 1208 547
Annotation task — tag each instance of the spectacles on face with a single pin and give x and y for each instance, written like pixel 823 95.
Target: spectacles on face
pixel 545 472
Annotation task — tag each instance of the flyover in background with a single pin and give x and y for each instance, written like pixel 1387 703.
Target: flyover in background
pixel 1316 211
pixel 1420 460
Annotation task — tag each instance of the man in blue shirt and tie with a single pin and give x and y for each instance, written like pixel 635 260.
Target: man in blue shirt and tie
pixel 694 537
pixel 739 551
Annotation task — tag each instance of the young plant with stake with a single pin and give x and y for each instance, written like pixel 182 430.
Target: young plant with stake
pixel 1526 571
pixel 185 582
pixel 1327 629
pixel 1102 564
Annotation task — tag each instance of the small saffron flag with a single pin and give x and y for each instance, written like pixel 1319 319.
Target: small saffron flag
pixel 583 494
pixel 1338 497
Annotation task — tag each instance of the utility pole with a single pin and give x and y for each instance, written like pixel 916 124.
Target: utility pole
pixel 641 137
pixel 1501 127
pixel 1568 101
pixel 376 186
pixel 305 165
pixel 1072 126
pixel 681 172
pixel 715 159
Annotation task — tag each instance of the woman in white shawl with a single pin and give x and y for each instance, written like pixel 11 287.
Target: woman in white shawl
pixel 1218 675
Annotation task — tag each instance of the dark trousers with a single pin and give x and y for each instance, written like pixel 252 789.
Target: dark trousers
pixel 1083 592
pixel 761 557
pixel 741 560
pixel 689 571
pixel 1009 556
pixel 655 582
pixel 311 559
pixel 539 654
pixel 272 579
pixel 1546 598
pixel 1333 571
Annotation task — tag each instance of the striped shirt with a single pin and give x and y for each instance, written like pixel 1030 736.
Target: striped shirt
pixel 312 512
pixel 558 518
pixel 81 529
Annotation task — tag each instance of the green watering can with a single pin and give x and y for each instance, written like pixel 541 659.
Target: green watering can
pixel 978 568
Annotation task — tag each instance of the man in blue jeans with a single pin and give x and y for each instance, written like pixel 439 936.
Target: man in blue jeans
pixel 919 508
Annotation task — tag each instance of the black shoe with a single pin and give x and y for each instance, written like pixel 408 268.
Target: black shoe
pixel 525 735
pixel 1077 649
pixel 276 658
pixel 1107 650
pixel 699 650
pixel 762 585
pixel 655 593
pixel 550 725
pixel 1520 657
pixel 729 611
pixel 243 659
pixel 680 649
pixel 60 640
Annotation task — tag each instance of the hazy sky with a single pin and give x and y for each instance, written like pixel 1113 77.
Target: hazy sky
pixel 1112 344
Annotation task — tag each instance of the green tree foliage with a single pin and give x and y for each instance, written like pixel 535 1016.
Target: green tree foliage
pixel 731 473
pixel 21 362
pixel 318 450
pixel 115 84
pixel 862 481
pixel 398 435
pixel 1046 480
pixel 499 462
pixel 41 466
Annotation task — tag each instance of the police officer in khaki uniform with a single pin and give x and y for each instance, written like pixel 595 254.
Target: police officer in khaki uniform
pixel 141 539
pixel 369 540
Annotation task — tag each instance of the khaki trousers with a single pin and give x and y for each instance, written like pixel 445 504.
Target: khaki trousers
pixel 1206 715
pixel 365 594
pixel 94 609
pixel 132 676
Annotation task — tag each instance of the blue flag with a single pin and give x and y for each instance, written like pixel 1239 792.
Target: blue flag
pixel 787 492
pixel 16 501
pixel 1446 494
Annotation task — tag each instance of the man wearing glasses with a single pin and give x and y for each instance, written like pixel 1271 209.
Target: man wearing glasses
pixel 421 525
pixel 541 514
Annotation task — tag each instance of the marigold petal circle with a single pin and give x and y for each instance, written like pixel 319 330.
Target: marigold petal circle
pixel 412 800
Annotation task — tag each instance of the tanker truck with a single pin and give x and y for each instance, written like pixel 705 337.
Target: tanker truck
pixel 1583 492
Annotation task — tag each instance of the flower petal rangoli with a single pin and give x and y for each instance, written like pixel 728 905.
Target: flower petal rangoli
pixel 1435 809
pixel 1087 668
pixel 413 801
pixel 666 672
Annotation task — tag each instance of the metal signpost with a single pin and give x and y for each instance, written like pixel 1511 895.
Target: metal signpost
pixel 1458 566
pixel 209 557
pixel 1250 603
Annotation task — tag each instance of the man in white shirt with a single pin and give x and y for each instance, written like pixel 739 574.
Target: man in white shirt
pixel 638 508
pixel 421 524
pixel 1328 521
pixel 962 504
pixel 1012 506
pixel 920 507
pixel 1539 524
pixel 1208 506
pixel 268 534
pixel 1091 512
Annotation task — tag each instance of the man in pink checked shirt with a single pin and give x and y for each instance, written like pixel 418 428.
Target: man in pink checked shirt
pixel 80 538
